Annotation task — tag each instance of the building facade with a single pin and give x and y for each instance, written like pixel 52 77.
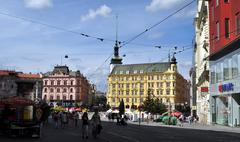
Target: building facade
pixel 201 63
pixel 131 84
pixel 224 17
pixel 14 83
pixel 65 87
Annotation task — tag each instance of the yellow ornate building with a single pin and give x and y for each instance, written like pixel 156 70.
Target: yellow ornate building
pixel 132 83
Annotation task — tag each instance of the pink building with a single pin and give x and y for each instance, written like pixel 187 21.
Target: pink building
pixel 65 87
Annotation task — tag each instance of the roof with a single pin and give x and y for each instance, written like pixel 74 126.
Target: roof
pixel 6 72
pixel 141 68
pixel 25 75
pixel 61 70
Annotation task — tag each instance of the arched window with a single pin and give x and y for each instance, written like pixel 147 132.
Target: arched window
pixel 64 97
pixel 64 90
pixel 58 90
pixel 71 97
pixel 45 90
pixel 51 90
pixel 59 82
pixel 71 82
pixel 52 82
pixel 71 90
pixel 45 97
pixel 51 97
pixel 58 97
pixel 45 82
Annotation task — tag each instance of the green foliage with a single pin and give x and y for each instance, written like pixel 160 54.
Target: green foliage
pixel 121 107
pixel 100 100
pixel 153 106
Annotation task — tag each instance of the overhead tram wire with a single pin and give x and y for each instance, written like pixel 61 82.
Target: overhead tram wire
pixel 55 27
pixel 153 26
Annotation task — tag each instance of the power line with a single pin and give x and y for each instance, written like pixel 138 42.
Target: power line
pixel 153 26
pixel 55 27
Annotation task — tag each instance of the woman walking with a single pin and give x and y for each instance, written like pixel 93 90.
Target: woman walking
pixel 85 125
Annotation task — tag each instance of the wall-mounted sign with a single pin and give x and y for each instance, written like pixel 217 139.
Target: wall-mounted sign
pixel 204 89
pixel 226 87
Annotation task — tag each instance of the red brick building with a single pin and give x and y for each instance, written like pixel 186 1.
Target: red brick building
pixel 65 87
pixel 224 61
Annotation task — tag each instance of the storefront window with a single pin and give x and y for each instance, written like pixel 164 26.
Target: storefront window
pixel 238 63
pixel 226 69
pixel 219 72
pixel 230 68
pixel 213 75
pixel 234 66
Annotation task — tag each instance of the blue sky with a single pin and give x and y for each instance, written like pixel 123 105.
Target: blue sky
pixel 31 47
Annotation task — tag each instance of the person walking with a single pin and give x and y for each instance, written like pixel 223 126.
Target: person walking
pixel 64 119
pixel 55 119
pixel 85 123
pixel 96 123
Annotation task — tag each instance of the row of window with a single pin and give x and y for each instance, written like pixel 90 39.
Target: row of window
pixel 150 85
pixel 138 100
pixel 227 26
pixel 136 78
pixel 58 90
pixel 141 92
pixel 226 69
pixel 60 82
pixel 4 85
pixel 58 97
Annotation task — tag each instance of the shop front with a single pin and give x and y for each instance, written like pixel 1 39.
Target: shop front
pixel 225 89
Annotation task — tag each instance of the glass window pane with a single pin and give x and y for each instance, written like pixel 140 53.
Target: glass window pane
pixel 234 66
pixel 225 69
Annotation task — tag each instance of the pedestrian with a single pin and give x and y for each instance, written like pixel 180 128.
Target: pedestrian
pixel 64 119
pixel 96 123
pixel 118 119
pixel 181 118
pixel 55 119
pixel 85 123
pixel 75 118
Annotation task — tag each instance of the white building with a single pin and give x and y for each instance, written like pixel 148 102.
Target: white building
pixel 201 63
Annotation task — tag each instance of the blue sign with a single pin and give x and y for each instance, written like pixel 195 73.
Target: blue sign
pixel 226 87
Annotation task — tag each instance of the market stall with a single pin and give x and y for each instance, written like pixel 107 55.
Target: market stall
pixel 19 117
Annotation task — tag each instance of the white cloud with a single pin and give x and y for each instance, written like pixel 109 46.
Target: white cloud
pixel 38 4
pixel 101 11
pixel 187 13
pixel 156 5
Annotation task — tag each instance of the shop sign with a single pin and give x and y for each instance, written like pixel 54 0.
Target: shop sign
pixel 226 87
pixel 204 89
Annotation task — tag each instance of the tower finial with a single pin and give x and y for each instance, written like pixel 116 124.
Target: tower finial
pixel 116 27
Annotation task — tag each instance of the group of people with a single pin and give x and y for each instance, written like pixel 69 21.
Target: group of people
pixel 190 119
pixel 62 119
pixel 121 119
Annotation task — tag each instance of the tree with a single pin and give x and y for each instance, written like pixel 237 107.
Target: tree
pixel 158 107
pixel 121 107
pixel 100 100
pixel 153 106
pixel 148 105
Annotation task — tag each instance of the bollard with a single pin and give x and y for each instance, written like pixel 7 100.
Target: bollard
pixel 235 122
